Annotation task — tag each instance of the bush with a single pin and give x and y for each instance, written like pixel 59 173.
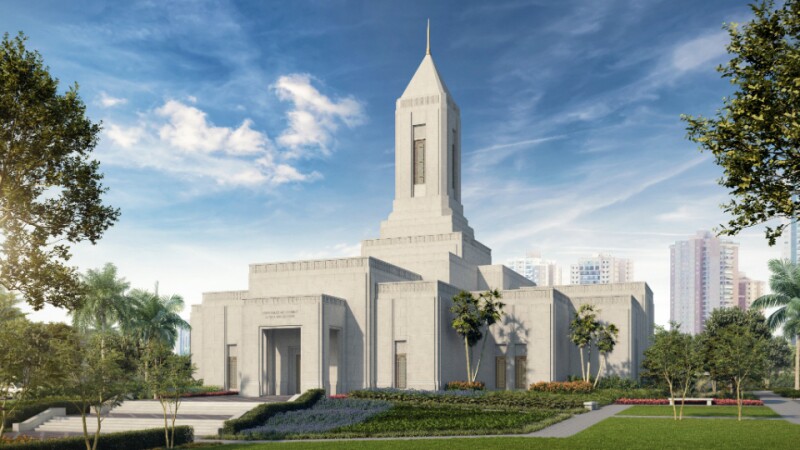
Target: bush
pixel 30 408
pixel 562 386
pixel 129 440
pixel 787 392
pixel 259 415
pixel 730 401
pixel 617 382
pixel 642 401
pixel 209 394
pixel 465 386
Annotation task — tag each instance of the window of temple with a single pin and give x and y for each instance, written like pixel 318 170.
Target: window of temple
pixel 419 154
pixel 500 372
pixel 455 161
pixel 400 380
pixel 521 372
pixel 233 379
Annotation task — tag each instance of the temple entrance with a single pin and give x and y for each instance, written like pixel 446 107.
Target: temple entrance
pixel 281 361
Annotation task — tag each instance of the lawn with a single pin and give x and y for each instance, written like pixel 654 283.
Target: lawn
pixel 614 433
pixel 699 411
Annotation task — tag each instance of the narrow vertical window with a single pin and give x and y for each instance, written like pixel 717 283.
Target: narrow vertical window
pixel 400 380
pixel 500 372
pixel 455 162
pixel 419 161
pixel 233 378
pixel 520 372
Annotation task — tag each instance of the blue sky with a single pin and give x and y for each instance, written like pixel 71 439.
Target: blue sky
pixel 241 132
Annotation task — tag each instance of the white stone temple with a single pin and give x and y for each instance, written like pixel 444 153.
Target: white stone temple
pixel 383 319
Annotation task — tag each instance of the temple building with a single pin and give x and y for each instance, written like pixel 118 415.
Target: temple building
pixel 383 319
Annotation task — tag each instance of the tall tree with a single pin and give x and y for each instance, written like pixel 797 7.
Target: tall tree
pixel 779 358
pixel 583 329
pixel 784 282
pixel 50 190
pixel 755 136
pixel 155 319
pixel 8 306
pixel 170 378
pixel 472 318
pixel 674 358
pixel 104 302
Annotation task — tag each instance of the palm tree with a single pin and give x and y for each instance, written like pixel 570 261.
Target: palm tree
pixel 8 306
pixel 785 285
pixel 154 318
pixel 104 303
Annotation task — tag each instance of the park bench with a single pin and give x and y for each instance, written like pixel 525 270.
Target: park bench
pixel 686 401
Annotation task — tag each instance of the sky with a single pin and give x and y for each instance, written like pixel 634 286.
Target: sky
pixel 260 131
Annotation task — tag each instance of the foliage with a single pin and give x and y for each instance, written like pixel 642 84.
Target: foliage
pixel 327 414
pixel 170 378
pixel 95 377
pixel 755 136
pixel 787 392
pixel 618 382
pixel 8 306
pixel 673 357
pixel 779 357
pixel 28 359
pixel 261 413
pixel 784 282
pixel 606 338
pixel 155 319
pixel 104 303
pixel 582 333
pixel 50 188
pixel 473 316
pixel 465 386
pixel 562 386
pixel 129 440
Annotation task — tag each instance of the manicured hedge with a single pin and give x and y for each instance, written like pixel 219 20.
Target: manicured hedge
pixel 129 440
pixel 30 408
pixel 465 386
pixel 563 386
pixel 787 392
pixel 258 415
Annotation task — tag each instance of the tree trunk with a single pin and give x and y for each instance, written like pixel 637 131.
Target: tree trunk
pixel 166 427
pixel 601 370
pixel 739 397
pixel 683 398
pixel 797 362
pixel 85 428
pixel 672 396
pixel 583 368
pixel 97 412
pixel 174 417
pixel 480 356
pixel 469 364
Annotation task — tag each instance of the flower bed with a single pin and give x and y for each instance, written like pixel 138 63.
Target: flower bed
pixel 562 386
pixel 665 401
pixel 327 414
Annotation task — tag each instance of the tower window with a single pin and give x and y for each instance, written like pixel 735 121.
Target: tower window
pixel 455 161
pixel 419 161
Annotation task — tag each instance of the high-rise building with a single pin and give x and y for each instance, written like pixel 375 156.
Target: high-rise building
pixel 749 290
pixel 791 241
pixel 704 275
pixel 541 271
pixel 601 269
pixel 183 346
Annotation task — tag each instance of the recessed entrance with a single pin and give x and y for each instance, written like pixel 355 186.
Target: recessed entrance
pixel 281 361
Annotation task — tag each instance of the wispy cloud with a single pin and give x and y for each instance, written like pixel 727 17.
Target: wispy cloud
pixel 107 101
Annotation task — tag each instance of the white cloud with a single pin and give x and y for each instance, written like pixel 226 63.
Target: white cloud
pixel 315 116
pixel 125 137
pixel 107 101
pixel 699 51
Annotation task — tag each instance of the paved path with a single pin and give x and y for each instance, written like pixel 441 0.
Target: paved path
pixel 580 422
pixel 788 408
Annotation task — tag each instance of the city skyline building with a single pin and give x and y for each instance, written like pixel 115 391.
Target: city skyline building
pixel 749 290
pixel 541 271
pixel 601 268
pixel 703 276
pixel 790 241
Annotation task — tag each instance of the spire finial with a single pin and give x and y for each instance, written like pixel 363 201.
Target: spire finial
pixel 428 50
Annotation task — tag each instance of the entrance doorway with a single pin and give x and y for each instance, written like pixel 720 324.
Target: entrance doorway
pixel 281 361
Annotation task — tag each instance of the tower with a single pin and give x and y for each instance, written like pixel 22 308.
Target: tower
pixel 427 221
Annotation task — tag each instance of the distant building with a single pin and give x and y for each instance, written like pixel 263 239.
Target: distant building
pixel 791 241
pixel 540 271
pixel 704 275
pixel 184 342
pixel 601 269
pixel 749 290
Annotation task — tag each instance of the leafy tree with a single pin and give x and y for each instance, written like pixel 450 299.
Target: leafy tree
pixel 28 360
pixel 607 335
pixel 583 329
pixel 104 303
pixel 170 376
pixel 95 378
pixel 738 354
pixel 784 282
pixel 673 357
pixel 50 190
pixel 473 316
pixel 755 136
pixel 779 357
pixel 8 306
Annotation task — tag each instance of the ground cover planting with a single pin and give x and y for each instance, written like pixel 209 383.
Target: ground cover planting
pixel 699 411
pixel 787 392
pixel 612 434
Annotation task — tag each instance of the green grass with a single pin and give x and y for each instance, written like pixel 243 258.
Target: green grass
pixel 614 434
pixel 699 411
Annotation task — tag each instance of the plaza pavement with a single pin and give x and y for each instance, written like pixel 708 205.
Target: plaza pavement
pixel 788 408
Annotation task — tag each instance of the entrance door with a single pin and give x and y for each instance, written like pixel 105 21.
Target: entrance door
pixel 297 373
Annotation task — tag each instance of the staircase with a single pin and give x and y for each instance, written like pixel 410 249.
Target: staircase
pixel 206 416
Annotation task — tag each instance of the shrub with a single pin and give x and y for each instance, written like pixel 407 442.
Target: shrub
pixel 129 440
pixel 562 386
pixel 617 382
pixel 209 394
pixel 30 408
pixel 259 415
pixel 787 392
pixel 465 386
pixel 730 401
pixel 642 401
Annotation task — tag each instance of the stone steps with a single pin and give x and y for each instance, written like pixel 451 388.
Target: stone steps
pixel 73 424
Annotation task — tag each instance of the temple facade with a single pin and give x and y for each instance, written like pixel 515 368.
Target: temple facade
pixel 383 319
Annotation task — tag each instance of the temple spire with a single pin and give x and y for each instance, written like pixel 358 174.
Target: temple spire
pixel 428 50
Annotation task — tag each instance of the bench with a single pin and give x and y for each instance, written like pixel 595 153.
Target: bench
pixel 686 401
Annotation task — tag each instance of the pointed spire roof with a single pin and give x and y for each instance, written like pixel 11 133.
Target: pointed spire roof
pixel 426 80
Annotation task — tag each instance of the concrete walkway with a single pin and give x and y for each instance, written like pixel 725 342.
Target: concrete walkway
pixel 580 422
pixel 788 408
